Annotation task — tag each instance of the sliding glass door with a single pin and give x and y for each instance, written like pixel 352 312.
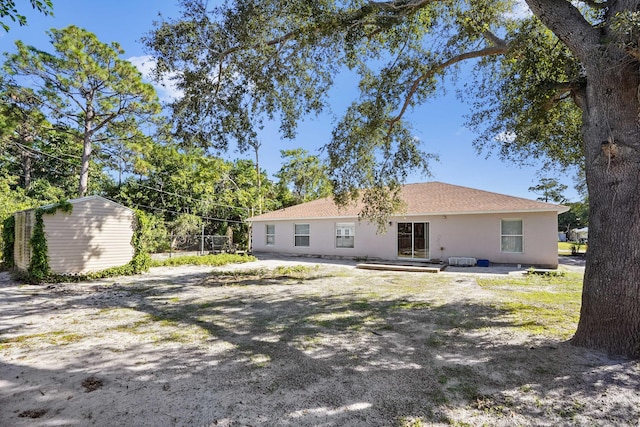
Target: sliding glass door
pixel 413 240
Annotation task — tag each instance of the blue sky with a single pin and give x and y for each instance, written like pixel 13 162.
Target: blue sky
pixel 439 124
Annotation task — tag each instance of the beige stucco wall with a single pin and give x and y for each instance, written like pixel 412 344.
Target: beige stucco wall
pixel 476 235
pixel 96 235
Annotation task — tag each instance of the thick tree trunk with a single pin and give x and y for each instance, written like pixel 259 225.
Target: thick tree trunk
pixel 84 167
pixel 610 313
pixel 26 169
pixel 25 158
pixel 26 139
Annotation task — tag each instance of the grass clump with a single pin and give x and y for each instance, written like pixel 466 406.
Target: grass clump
pixel 53 338
pixel 213 260
pixel 262 276
pixel 295 271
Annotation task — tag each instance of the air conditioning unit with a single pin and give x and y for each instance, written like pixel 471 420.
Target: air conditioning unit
pixel 462 261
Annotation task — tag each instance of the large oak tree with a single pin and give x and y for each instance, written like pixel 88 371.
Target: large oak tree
pixel 558 83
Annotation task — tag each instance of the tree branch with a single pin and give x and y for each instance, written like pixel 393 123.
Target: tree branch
pixel 596 5
pixel 399 8
pixel 489 51
pixel 568 24
pixel 562 90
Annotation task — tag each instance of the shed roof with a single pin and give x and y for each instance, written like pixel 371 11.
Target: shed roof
pixel 83 200
pixel 429 198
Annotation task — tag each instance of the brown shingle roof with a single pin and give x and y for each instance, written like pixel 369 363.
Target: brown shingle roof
pixel 429 198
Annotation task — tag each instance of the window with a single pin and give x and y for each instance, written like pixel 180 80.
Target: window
pixel 511 236
pixel 301 235
pixel 345 235
pixel 271 234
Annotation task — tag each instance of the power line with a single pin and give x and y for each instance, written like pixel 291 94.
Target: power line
pixel 63 173
pixel 200 216
pixel 31 149
pixel 187 197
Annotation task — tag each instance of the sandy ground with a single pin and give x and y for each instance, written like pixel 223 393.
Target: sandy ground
pixel 346 347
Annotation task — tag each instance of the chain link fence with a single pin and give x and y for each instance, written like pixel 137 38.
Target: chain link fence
pixel 167 239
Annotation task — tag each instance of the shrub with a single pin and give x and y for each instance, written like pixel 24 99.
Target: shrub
pixel 213 260
pixel 8 239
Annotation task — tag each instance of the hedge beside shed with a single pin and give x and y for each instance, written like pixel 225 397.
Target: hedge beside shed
pixel 94 235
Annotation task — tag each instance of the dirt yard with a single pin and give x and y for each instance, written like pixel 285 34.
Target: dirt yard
pixel 324 345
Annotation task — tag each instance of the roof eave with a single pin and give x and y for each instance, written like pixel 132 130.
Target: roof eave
pixel 559 209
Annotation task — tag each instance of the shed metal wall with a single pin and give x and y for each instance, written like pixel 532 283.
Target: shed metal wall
pixel 21 246
pixel 96 235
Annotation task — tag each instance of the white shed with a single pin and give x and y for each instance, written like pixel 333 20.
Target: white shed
pixel 94 236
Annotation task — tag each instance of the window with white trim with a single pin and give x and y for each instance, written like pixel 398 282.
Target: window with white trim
pixel 345 235
pixel 511 235
pixel 301 235
pixel 271 234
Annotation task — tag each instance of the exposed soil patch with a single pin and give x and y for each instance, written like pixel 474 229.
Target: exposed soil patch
pixel 32 413
pixel 91 384
pixel 322 345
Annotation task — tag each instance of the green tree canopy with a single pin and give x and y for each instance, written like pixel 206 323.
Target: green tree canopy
pixel 85 86
pixel 576 217
pixel 173 182
pixel 304 175
pixel 8 9
pixel 549 190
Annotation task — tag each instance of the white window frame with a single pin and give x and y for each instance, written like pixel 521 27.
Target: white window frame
pixel 520 236
pixel 296 234
pixel 345 232
pixel 270 238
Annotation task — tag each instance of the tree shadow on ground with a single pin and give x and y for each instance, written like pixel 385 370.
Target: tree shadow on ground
pixel 193 353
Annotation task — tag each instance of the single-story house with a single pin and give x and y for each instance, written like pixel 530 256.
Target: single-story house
pixel 442 222
pixel 95 235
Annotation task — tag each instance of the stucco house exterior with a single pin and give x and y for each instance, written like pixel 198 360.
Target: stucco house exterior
pixel 441 222
pixel 94 236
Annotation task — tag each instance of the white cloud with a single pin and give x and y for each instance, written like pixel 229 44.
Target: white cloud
pixel 506 136
pixel 166 89
pixel 520 10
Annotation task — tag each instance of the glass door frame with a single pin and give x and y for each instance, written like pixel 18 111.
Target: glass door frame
pixel 413 248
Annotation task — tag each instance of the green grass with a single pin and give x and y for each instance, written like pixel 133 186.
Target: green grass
pixel 410 305
pixel 295 271
pixel 213 260
pixel 541 305
pixel 135 327
pixel 281 275
pixel 340 320
pixel 412 422
pixel 53 338
pixel 564 246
